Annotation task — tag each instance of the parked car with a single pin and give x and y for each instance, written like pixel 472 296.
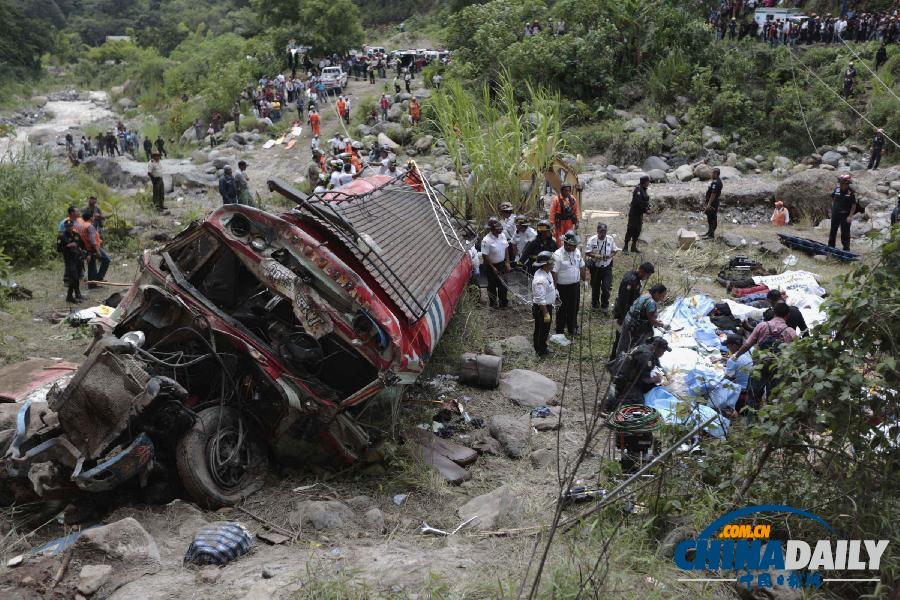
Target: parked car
pixel 334 78
pixel 251 337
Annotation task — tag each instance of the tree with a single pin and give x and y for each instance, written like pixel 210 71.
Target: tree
pixel 24 39
pixel 277 12
pixel 330 25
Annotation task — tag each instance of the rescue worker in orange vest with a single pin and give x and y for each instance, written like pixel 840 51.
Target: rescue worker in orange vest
pixel 563 212
pixel 340 105
pixel 780 216
pixel 314 122
pixel 412 178
pixel 93 245
pixel 355 160
pixel 319 160
pixel 415 111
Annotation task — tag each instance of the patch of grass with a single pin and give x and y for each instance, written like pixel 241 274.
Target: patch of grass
pixel 339 586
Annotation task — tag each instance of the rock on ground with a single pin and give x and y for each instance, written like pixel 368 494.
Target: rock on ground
pixel 513 434
pixel 807 193
pixel 497 509
pixel 321 515
pixel 733 240
pixel 684 173
pixel 773 248
pixel 92 577
pixel 385 142
pixel 543 458
pixel 655 162
pixel 125 546
pixel 528 388
pixel 374 520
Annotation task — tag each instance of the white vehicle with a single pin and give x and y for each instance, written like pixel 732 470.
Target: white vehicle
pixel 334 78
pixel 764 15
pixel 371 50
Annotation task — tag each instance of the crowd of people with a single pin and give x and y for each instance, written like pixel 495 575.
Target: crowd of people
pixel 734 19
pixel 80 241
pixel 120 141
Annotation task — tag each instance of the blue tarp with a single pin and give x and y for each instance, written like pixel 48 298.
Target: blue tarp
pixel 675 411
pixel 718 391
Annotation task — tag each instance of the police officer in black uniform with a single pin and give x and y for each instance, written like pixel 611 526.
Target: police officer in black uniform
pixel 843 207
pixel 640 205
pixel 877 147
pixel 635 377
pixel 544 242
pixel 629 290
pixel 713 194
pixel 849 77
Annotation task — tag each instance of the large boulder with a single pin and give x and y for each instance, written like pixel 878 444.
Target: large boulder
pixel 807 193
pixel 655 162
pixel 514 434
pixel 684 173
pixel 781 162
pixel 385 142
pixel 126 103
pixel 494 510
pixel 657 175
pixel 832 158
pixel 188 137
pixel 111 171
pixel 395 113
pixel 703 171
pixel 394 131
pixel 423 144
pixel 528 388
pixel 634 124
pixel 629 180
pixel 726 172
pixel 39 101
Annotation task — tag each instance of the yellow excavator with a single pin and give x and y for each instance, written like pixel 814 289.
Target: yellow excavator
pixel 557 173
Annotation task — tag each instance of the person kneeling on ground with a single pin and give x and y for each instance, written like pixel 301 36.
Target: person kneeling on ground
pixel 638 373
pixel 543 294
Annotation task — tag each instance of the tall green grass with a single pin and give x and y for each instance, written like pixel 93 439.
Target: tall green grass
pixel 500 140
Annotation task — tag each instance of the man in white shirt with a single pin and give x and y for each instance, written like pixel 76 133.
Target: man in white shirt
pixel 520 238
pixel 334 181
pixel 600 250
pixel 507 219
pixel 543 296
pixel 336 143
pixel 346 177
pixel 569 271
pixel 494 249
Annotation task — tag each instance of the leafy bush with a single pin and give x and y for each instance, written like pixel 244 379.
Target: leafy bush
pixel 669 77
pixel 618 146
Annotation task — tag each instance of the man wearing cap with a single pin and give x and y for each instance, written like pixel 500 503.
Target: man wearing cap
pixel 227 187
pixel 242 184
pixel 713 194
pixel 640 205
pixel 154 172
pixel 600 250
pixel 877 147
pixel 521 237
pixel 507 219
pixel 543 294
pixel 629 291
pixel 563 212
pixel 543 242
pixel 495 253
pixel 843 207
pixel 640 372
pixel 569 271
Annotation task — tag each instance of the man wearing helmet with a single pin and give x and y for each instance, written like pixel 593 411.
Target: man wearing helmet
pixel 521 237
pixel 495 253
pixel 507 219
pixel 543 294
pixel 563 212
pixel 543 242
pixel 569 271
pixel 843 207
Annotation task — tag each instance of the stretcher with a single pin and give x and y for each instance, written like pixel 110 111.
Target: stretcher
pixel 814 247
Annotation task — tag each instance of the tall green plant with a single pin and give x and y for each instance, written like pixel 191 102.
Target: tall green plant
pixel 500 140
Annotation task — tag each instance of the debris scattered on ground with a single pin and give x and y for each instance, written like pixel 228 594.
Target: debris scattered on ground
pixel 426 528
pixel 399 499
pixel 583 493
